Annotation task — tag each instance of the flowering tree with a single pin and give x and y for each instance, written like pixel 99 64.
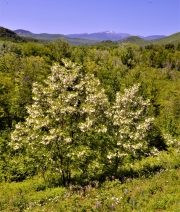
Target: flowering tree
pixel 72 129
pixel 131 127
pixel 67 106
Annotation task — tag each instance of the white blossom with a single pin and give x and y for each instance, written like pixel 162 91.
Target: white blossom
pixel 65 107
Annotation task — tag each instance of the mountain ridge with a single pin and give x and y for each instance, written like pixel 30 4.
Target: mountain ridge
pixel 95 36
pixel 100 36
pixel 22 35
pixel 52 37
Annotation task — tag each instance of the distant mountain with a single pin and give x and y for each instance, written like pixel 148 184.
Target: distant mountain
pixel 111 35
pixel 52 37
pixel 108 37
pixel 153 37
pixel 172 39
pixel 87 38
pixel 41 36
pixel 100 36
pixel 22 32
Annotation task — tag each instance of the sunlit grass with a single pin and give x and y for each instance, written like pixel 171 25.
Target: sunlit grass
pixel 158 192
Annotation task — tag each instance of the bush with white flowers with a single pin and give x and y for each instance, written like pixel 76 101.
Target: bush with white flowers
pixel 70 115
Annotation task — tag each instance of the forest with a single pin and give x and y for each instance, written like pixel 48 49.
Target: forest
pixel 77 121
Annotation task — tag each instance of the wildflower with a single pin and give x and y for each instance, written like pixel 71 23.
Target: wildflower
pixel 133 204
pixel 97 205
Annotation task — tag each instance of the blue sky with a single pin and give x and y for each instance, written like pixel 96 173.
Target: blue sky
pixel 136 17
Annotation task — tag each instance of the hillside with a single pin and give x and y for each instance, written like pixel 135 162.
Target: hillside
pixel 6 34
pixel 9 35
pixel 172 39
pixel 135 40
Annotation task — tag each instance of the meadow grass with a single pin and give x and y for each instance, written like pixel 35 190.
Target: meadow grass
pixel 158 192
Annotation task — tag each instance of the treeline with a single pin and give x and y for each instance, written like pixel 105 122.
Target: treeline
pixel 156 68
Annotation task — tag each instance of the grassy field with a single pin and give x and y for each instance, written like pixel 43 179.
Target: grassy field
pixel 155 191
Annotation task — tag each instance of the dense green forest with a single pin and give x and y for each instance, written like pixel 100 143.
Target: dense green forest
pixel 74 118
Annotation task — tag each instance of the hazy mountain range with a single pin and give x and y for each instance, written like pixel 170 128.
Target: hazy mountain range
pixel 98 36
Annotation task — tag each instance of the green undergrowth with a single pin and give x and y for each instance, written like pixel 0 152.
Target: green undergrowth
pixel 155 189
